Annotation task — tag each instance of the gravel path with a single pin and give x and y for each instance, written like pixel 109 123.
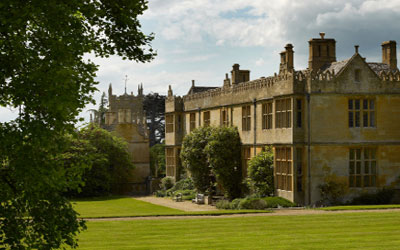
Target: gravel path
pixel 186 206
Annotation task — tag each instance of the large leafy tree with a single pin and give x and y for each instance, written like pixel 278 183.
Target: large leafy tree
pixel 261 173
pixel 224 156
pixel 110 162
pixel 194 158
pixel 154 106
pixel 44 74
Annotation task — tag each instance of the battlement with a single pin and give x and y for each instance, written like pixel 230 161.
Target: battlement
pixel 389 76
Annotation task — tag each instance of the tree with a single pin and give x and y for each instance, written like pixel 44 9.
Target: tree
pixel 110 161
pixel 261 173
pixel 194 158
pixel 157 160
pixel 100 114
pixel 44 75
pixel 154 106
pixel 224 156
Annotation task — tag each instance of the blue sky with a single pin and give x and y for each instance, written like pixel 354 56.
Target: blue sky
pixel 202 39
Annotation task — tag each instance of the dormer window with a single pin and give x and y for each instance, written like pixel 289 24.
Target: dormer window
pixel 357 75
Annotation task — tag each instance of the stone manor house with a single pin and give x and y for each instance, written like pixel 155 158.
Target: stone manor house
pixel 338 119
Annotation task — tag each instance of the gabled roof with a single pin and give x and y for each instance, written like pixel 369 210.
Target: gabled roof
pixel 195 89
pixel 335 66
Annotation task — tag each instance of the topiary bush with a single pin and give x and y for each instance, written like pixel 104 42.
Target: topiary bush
pixel 167 182
pixel 253 203
pixel 261 173
pixel 223 204
pixel 274 202
pixel 224 156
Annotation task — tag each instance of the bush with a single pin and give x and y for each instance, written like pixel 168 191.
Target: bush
pixel 183 184
pixel 194 158
pixel 223 204
pixel 224 155
pixel 253 203
pixel 167 183
pixel 261 173
pixel 333 189
pixel 160 193
pixel 273 202
pixel 381 197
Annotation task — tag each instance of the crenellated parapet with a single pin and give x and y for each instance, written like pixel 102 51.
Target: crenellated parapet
pixel 391 76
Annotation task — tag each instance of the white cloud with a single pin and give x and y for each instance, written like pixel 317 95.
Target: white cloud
pixel 260 62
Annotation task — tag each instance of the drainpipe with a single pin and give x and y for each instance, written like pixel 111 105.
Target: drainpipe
pixel 255 125
pixel 309 149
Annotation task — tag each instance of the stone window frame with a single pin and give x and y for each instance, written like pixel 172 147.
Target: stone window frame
pixel 283 168
pixel 363 167
pixel 299 113
pixel 246 156
pixel 224 117
pixel 361 113
pixel 169 123
pixel 206 118
pixel 192 121
pixel 246 118
pixel 170 161
pixel 283 113
pixel 267 115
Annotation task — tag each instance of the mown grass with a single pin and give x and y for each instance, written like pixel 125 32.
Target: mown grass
pixel 108 207
pixel 327 231
pixel 360 207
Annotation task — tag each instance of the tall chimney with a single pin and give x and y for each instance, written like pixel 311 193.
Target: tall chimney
pixel 322 51
pixel 389 54
pixel 286 59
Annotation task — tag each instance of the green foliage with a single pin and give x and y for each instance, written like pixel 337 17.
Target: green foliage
pixel 255 203
pixel 110 162
pixel 333 189
pixel 44 75
pixel 157 160
pixel 274 202
pixel 183 184
pixel 261 173
pixel 167 182
pixel 154 107
pixel 194 158
pixel 383 196
pixel 224 156
pixel 187 194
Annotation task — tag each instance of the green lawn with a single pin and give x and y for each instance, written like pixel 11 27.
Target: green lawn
pixel 360 207
pixel 328 231
pixel 129 207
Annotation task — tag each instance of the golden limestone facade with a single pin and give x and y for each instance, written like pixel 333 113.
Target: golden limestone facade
pixel 334 120
pixel 125 116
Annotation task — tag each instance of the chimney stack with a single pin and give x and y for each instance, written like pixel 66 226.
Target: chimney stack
pixel 322 51
pixel 286 59
pixel 389 56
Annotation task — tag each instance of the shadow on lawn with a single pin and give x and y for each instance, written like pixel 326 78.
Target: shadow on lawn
pixel 100 198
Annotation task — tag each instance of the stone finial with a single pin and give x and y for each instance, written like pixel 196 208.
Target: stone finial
pixel 110 90
pixel 226 76
pixel 170 91
pixel 322 34
pixel 356 48
pixel 192 83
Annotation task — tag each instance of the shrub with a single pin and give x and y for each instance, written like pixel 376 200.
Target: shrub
pixel 223 204
pixel 333 189
pixel 167 183
pixel 235 203
pixel 224 155
pixel 195 159
pixel 273 202
pixel 261 173
pixel 381 197
pixel 160 193
pixel 253 203
pixel 183 184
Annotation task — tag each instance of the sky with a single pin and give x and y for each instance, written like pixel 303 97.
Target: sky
pixel 201 39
